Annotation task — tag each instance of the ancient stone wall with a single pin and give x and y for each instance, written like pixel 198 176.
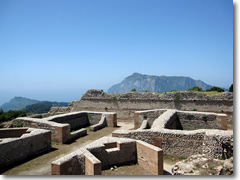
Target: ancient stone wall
pixel 107 152
pixel 28 143
pixel 125 104
pixel 182 120
pixel 184 142
pixel 75 120
pixel 61 125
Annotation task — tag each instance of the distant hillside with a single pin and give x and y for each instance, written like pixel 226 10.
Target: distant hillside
pixel 156 83
pixel 43 107
pixel 31 105
pixel 17 103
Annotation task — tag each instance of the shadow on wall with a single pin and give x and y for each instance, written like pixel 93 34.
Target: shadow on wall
pixel 107 152
pixel 70 126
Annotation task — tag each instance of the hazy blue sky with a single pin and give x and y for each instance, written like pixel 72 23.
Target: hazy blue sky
pixel 57 49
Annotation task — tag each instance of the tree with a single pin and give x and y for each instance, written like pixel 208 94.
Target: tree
pixel 195 88
pixel 231 88
pixel 215 88
pixel 134 90
pixel 7 116
pixel 1 111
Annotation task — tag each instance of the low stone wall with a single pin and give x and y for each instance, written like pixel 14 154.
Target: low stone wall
pixel 202 120
pixel 149 115
pixel 28 143
pixel 61 125
pixel 165 134
pixel 182 120
pixel 102 123
pixel 13 133
pixel 106 152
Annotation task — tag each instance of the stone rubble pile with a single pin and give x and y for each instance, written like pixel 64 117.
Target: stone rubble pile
pixel 201 165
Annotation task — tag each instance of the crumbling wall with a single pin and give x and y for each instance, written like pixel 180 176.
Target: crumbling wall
pixel 182 120
pixel 202 120
pixel 61 125
pixel 107 152
pixel 75 120
pixel 184 142
pixel 150 116
pixel 29 143
pixel 125 104
pixel 59 132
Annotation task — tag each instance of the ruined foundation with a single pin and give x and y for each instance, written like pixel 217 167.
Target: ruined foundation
pixel 107 152
pixel 181 133
pixel 17 144
pixel 70 126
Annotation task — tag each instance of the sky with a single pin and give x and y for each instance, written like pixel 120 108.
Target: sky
pixel 57 50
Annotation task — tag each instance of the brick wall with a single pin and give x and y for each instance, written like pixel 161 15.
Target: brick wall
pixel 150 157
pixel 105 153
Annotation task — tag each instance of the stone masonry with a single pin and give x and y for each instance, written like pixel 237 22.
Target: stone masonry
pixel 62 125
pixel 107 152
pixel 125 104
pixel 18 144
pixel 166 132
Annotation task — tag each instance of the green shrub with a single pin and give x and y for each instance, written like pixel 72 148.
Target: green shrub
pixel 215 88
pixel 10 115
pixel 231 88
pixel 195 88
pixel 190 117
pixel 114 98
pixel 134 90
pixel 204 117
pixel 19 124
pixel 177 98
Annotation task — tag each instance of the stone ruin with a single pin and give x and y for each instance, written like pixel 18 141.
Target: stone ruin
pixel 125 104
pixel 177 132
pixel 183 133
pixel 17 144
pixel 107 152
pixel 70 126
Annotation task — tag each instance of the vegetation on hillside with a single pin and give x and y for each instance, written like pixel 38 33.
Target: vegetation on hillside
pixel 195 88
pixel 134 90
pixel 17 103
pixel 156 84
pixel 10 115
pixel 215 88
pixel 43 107
pixel 231 88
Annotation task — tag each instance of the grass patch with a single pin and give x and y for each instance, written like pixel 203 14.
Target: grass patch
pixel 173 159
pixel 131 169
pixel 87 128
pixel 211 93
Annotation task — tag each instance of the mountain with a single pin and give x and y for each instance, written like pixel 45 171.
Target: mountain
pixel 156 83
pixel 31 105
pixel 17 103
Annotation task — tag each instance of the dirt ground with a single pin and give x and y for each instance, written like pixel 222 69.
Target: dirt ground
pixel 41 164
